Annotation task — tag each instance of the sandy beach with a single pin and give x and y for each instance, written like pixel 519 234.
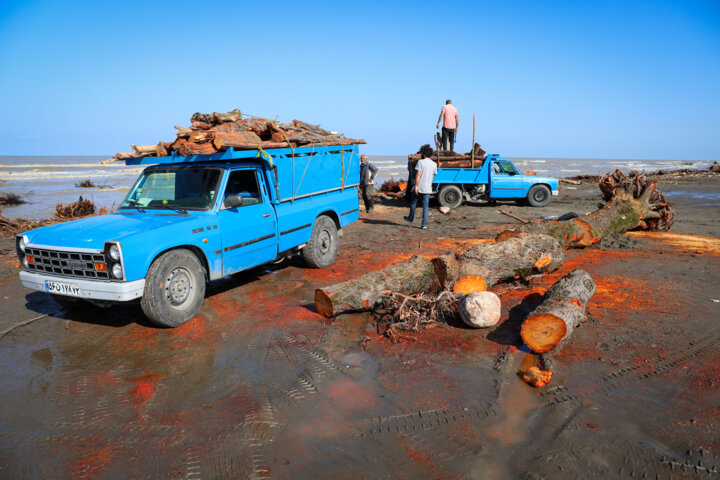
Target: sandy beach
pixel 259 385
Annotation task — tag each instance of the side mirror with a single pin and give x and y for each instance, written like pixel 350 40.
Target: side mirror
pixel 232 201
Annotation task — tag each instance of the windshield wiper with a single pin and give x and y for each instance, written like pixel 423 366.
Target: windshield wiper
pixel 136 204
pixel 174 208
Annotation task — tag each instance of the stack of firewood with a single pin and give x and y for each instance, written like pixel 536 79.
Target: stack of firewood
pixel 215 132
pixel 450 159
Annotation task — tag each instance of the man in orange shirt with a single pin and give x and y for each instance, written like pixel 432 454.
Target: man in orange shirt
pixel 451 122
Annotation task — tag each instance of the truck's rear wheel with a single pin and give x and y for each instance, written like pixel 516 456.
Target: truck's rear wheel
pixel 322 247
pixel 538 196
pixel 174 288
pixel 450 196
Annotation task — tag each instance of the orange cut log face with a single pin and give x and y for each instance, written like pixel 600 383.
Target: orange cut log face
pixel 543 332
pixel 543 262
pixel 471 284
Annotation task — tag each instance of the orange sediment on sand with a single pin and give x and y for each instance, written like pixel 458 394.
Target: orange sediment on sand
pixel 683 241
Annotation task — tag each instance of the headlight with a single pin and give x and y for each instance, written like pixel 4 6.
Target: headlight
pixel 22 244
pixel 114 252
pixel 117 271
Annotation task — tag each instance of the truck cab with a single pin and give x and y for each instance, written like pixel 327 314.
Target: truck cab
pixel 191 220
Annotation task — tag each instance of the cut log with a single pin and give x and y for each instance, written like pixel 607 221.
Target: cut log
pixel 369 290
pixel 472 284
pixel 201 136
pixel 151 149
pixel 480 309
pixel 634 203
pixel 515 257
pixel 200 126
pixel 561 311
pixel 225 140
pixel 183 132
pixel 185 148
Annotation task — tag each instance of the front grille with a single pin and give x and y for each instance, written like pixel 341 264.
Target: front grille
pixel 68 264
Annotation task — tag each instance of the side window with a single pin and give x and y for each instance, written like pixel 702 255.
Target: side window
pixel 245 184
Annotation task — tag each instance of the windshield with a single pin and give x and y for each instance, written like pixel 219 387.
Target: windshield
pixel 185 188
pixel 505 167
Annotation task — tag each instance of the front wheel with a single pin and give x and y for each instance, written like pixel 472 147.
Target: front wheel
pixel 450 196
pixel 538 196
pixel 174 288
pixel 322 247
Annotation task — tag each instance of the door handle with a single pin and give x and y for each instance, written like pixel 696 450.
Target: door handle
pixel 266 214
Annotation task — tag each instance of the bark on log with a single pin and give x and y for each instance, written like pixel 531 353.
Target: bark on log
pixel 516 257
pixel 185 148
pixel 635 203
pixel 562 310
pixel 225 140
pixel 369 290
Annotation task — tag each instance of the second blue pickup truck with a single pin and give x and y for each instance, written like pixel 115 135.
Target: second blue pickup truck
pixel 494 178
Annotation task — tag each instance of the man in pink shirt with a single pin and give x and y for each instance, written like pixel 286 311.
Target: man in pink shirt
pixel 451 122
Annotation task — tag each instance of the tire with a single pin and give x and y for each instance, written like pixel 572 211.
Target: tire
pixel 322 247
pixel 538 196
pixel 69 303
pixel 174 288
pixel 450 196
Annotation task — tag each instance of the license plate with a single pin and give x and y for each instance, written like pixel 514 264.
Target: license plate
pixel 62 288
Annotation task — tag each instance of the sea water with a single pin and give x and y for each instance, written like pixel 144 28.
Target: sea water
pixel 45 181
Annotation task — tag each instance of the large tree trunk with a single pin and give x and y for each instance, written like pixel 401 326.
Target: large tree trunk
pixel 634 203
pixel 369 290
pixel 520 256
pixel 516 257
pixel 562 310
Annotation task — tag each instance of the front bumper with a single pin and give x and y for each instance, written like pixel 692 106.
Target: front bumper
pixel 91 289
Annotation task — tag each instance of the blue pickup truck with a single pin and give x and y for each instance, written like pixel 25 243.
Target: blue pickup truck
pixel 190 220
pixel 496 179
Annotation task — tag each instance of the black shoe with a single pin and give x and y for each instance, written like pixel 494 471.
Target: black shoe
pixel 407 219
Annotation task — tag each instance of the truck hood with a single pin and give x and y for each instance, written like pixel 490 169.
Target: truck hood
pixel 552 181
pixel 95 231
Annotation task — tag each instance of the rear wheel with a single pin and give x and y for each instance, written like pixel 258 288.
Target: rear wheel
pixel 322 247
pixel 450 196
pixel 539 196
pixel 174 288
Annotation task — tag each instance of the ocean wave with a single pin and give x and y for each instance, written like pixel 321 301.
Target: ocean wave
pixel 62 165
pixel 35 175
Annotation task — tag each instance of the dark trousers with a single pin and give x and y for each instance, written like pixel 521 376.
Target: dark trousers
pixel 425 203
pixel 367 195
pixel 448 138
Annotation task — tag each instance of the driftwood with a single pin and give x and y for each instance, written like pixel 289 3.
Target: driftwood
pixel 633 203
pixel 561 311
pixel 214 132
pixel 369 290
pixel 516 257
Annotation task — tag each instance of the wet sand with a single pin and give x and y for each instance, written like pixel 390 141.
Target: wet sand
pixel 260 386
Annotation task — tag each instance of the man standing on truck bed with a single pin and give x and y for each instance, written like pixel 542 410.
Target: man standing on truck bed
pixel 451 121
pixel 426 170
pixel 367 176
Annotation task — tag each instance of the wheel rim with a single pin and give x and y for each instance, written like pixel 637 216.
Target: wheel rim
pixel 540 195
pixel 178 286
pixel 325 242
pixel 451 197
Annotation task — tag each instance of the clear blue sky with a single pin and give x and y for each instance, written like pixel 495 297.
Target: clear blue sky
pixel 615 79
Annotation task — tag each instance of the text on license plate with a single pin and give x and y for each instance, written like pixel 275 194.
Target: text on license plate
pixel 62 288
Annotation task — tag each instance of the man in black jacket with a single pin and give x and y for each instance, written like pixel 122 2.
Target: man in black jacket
pixel 367 175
